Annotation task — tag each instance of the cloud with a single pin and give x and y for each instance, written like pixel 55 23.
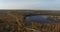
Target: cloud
pixel 12 5
pixel 18 5
pixel 30 4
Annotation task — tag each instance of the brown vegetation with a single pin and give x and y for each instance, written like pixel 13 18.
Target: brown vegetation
pixel 13 22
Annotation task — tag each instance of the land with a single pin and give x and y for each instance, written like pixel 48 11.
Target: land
pixel 13 21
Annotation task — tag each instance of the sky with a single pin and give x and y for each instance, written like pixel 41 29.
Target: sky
pixel 30 4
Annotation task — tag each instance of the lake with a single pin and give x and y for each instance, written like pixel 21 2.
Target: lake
pixel 40 18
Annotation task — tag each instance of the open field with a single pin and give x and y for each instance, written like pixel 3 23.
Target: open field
pixel 13 21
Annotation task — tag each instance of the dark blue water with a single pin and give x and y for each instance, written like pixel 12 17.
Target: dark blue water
pixel 38 18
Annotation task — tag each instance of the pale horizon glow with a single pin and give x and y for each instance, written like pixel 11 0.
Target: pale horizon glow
pixel 30 4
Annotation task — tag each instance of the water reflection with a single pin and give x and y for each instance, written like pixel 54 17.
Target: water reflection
pixel 43 18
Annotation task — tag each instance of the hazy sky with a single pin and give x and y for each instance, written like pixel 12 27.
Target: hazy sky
pixel 30 4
